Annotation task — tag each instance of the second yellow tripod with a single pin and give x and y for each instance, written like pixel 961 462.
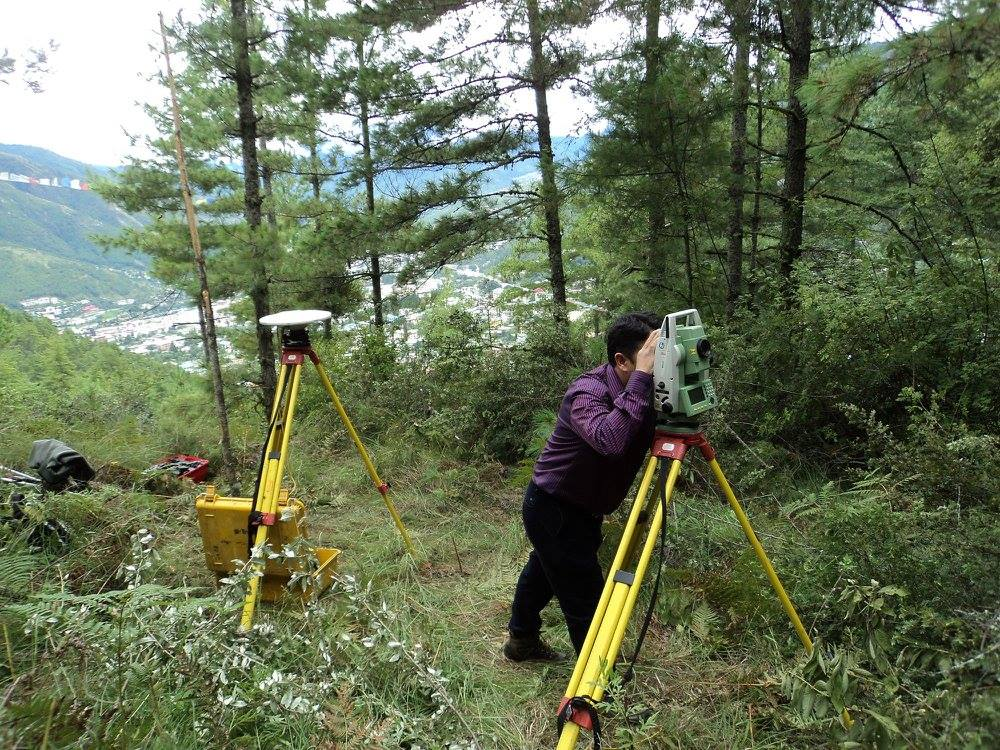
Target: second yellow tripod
pixel 621 588
pixel 295 349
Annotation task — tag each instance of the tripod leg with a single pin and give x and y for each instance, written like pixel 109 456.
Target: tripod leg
pixel 270 490
pixel 275 427
pixel 758 549
pixel 614 620
pixel 625 546
pixel 381 486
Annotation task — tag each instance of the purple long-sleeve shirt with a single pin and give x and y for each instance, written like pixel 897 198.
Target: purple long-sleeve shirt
pixel 602 434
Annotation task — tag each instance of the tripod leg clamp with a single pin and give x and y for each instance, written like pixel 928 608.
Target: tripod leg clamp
pixel 582 711
pixel 259 518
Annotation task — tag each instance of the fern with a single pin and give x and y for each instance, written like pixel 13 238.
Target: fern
pixel 702 621
pixel 16 571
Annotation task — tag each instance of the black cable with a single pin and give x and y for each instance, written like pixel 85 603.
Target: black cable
pixel 260 466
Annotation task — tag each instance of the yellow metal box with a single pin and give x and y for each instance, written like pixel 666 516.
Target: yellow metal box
pixel 223 522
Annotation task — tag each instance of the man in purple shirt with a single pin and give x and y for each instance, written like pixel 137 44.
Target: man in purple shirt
pixel 603 433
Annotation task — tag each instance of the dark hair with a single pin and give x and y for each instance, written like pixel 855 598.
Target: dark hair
pixel 629 331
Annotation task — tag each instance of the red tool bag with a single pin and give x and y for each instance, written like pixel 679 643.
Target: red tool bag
pixel 194 468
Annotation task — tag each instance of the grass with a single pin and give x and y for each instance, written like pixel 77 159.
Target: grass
pixel 123 640
pixel 454 601
pixel 104 657
pixel 472 546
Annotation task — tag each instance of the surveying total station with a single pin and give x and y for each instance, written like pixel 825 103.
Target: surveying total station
pixel 235 530
pixel 682 392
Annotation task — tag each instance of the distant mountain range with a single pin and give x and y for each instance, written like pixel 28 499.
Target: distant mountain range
pixel 17 158
pixel 45 235
pixel 46 230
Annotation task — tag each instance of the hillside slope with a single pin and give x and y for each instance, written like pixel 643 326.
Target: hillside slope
pixel 123 634
pixel 110 404
pixel 46 234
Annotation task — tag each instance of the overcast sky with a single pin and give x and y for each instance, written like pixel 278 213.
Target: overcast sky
pixel 101 74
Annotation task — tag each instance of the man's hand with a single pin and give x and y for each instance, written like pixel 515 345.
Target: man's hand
pixel 647 354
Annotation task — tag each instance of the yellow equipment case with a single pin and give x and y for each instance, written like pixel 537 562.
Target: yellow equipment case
pixel 223 522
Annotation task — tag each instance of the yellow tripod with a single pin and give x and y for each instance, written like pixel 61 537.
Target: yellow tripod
pixel 621 587
pixel 264 511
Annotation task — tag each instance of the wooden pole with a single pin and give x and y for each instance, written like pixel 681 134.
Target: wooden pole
pixel 211 342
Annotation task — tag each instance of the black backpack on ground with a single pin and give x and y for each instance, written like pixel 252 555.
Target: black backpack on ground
pixel 58 464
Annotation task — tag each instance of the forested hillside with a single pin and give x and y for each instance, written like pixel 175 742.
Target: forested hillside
pixel 820 180
pixel 47 234
pixel 111 404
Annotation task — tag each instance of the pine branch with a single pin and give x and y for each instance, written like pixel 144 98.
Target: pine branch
pixel 882 214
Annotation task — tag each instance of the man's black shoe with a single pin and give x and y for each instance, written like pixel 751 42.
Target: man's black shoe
pixel 529 648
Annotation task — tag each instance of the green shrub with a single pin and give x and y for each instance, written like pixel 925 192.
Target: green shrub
pixel 862 335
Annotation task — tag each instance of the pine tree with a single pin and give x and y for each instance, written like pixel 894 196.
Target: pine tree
pixel 796 21
pixel 243 79
pixel 653 166
pixel 741 15
pixel 465 126
pixel 314 272
pixel 358 74
pixel 206 313
pixel 652 135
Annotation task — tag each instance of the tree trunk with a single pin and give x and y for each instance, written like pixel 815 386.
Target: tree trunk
pixel 686 237
pixel 313 135
pixel 550 192
pixel 314 181
pixel 741 10
pixel 259 291
pixel 758 167
pixel 206 314
pixel 265 178
pixel 314 170
pixel 653 137
pixel 798 44
pixel 314 178
pixel 366 146
pixel 203 332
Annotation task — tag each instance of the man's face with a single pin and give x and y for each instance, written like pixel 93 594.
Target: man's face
pixel 624 367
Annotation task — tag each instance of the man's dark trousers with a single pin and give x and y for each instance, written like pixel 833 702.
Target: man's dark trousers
pixel 563 563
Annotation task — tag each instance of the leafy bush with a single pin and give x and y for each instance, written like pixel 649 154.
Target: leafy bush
pixel 938 459
pixel 144 662
pixel 786 372
pixel 458 392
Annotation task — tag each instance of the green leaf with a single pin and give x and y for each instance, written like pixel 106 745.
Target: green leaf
pixel 888 724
